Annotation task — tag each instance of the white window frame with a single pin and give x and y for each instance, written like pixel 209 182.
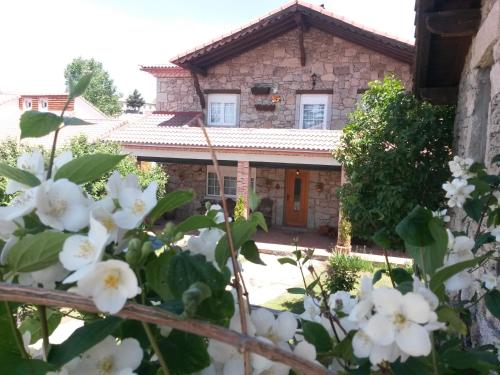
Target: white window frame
pixel 314 99
pixel 25 104
pixel 228 171
pixel 224 99
pixel 42 100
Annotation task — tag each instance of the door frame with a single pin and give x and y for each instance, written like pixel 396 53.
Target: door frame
pixel 289 178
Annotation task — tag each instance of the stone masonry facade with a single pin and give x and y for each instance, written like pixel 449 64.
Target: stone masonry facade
pixel 338 64
pixel 477 124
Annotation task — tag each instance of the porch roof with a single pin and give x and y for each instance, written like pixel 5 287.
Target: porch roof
pixel 156 129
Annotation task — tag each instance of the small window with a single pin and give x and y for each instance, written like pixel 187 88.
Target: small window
pixel 230 185
pixel 222 109
pixel 27 104
pixel 313 111
pixel 229 177
pixel 212 184
pixel 43 104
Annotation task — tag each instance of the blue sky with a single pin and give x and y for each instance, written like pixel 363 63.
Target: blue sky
pixel 39 38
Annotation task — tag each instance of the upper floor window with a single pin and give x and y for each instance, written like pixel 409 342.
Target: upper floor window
pixel 43 104
pixel 313 111
pixel 223 109
pixel 27 104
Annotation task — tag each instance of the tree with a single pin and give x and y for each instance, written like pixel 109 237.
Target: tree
pixel 135 101
pixel 395 151
pixel 101 91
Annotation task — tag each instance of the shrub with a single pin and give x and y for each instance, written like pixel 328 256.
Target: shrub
pixel 239 209
pixel 395 151
pixel 79 146
pixel 343 271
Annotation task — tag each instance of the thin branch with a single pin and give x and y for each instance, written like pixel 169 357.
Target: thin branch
pixel 42 313
pixel 155 347
pixel 53 153
pixel 238 278
pixel 155 315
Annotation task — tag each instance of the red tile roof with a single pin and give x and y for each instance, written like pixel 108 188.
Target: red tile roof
pixel 154 130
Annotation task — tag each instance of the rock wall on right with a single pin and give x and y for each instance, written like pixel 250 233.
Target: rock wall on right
pixel 477 127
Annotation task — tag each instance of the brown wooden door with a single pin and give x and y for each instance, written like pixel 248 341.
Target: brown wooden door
pixel 296 194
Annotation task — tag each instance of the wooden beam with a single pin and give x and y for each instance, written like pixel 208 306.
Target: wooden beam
pixel 439 95
pixel 453 23
pixel 198 89
pixel 300 24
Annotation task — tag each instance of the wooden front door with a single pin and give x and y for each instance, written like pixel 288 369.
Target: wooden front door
pixel 296 194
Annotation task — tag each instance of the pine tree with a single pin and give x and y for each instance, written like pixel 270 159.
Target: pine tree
pixel 135 102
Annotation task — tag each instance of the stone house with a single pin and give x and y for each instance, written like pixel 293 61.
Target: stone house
pixel 458 62
pixel 274 96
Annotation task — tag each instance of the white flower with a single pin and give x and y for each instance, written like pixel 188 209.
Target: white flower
pixel 110 284
pixel 80 252
pixel 496 233
pixel 109 358
pixel 312 308
pixel 32 163
pixel 441 215
pixel 8 227
pixel 116 184
pixel 205 243
pixel 341 301
pixel 459 167
pixel 219 216
pixel 46 277
pixel 460 252
pixel 490 280
pixel 103 211
pixel 62 205
pixel 398 319
pixel 279 329
pixel 21 205
pixel 430 297
pixel 457 191
pixel 135 205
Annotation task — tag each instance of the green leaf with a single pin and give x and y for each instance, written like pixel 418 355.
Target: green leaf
pixel 317 335
pixel 8 344
pixel 445 273
pixel 82 340
pixel 400 275
pixel 414 230
pixel 412 366
pixel 73 121
pixel 242 231
pixel 482 239
pixel 496 159
pixel 259 220
pixel 35 252
pixel 251 253
pixel 195 222
pixel 186 269
pixel 184 353
pixel 19 175
pixel 301 291
pixel 344 348
pixel 156 275
pixel 21 366
pixel 37 124
pixel 431 257
pixel 80 87
pixel 378 275
pixel 170 202
pixel 492 302
pixel 474 208
pixel 218 309
pixel 253 200
pixel 193 297
pixel 287 260
pixel 33 325
pixel 451 317
pixel 88 167
pixel 382 239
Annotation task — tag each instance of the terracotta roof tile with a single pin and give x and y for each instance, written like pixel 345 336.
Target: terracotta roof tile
pixel 152 130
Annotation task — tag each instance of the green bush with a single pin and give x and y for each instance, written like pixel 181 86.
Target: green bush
pixel 342 272
pixel 395 151
pixel 239 209
pixel 79 146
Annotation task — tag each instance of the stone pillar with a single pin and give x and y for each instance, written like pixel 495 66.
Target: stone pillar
pixel 344 227
pixel 243 183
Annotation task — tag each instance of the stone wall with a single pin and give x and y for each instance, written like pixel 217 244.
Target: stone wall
pixel 270 183
pixel 477 125
pixel 339 65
